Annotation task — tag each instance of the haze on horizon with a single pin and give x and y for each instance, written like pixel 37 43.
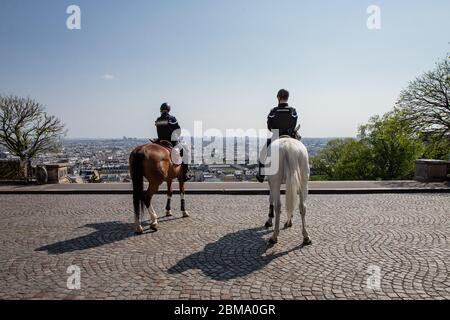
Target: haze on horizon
pixel 221 62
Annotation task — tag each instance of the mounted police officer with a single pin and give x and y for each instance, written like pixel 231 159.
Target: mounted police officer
pixel 282 118
pixel 168 129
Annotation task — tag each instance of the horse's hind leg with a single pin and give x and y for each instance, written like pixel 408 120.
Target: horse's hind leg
pixel 277 206
pixel 303 193
pixel 152 213
pixel 137 221
pixel 148 203
pixel 153 217
pixel 288 223
pixel 269 222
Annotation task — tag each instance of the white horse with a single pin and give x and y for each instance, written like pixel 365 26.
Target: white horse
pixel 294 171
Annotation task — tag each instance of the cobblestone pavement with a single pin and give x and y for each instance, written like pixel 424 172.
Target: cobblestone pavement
pixel 221 252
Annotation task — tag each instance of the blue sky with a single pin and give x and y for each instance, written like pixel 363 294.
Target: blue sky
pixel 221 62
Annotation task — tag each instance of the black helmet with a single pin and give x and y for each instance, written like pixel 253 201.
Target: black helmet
pixel 283 94
pixel 165 107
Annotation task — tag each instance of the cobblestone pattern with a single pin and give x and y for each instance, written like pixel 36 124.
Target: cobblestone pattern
pixel 221 252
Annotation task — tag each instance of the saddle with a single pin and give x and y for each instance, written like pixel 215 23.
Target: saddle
pixel 164 143
pixel 295 134
pixel 175 152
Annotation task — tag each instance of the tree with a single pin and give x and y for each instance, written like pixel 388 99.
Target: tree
pixel 388 146
pixel 344 159
pixel 436 148
pixel 324 163
pixel 26 129
pixel 393 146
pixel 385 149
pixel 425 103
pixel 355 162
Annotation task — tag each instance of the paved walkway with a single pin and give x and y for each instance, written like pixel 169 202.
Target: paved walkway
pixel 221 252
pixel 316 187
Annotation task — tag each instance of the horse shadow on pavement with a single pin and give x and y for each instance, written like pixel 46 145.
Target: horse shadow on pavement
pixel 105 233
pixel 233 256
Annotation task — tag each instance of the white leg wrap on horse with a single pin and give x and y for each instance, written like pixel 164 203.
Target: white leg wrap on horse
pixel 153 215
pixel 183 206
pixel 168 206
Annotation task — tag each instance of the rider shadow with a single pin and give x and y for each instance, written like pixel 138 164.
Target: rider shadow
pixel 106 233
pixel 233 256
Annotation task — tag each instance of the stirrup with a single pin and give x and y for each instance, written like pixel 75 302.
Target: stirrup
pixel 259 176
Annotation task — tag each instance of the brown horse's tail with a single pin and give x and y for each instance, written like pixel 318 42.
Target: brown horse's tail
pixel 137 176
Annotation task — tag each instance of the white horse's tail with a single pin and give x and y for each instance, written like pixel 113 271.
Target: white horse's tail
pixel 296 171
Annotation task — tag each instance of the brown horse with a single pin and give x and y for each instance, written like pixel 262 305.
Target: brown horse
pixel 154 162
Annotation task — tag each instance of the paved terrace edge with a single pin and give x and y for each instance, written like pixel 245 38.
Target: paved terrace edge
pixel 355 187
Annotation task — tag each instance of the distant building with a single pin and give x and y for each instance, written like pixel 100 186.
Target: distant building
pixel 247 150
pixel 219 166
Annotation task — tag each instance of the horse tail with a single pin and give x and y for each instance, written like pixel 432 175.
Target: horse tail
pixel 296 173
pixel 137 177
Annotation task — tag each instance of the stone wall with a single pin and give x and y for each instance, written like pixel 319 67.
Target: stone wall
pixel 57 173
pixel 431 170
pixel 13 170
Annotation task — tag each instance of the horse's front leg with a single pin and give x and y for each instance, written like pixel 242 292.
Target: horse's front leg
pixel 269 222
pixel 183 201
pixel 169 198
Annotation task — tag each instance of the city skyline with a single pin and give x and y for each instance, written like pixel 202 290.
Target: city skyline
pixel 234 159
pixel 219 62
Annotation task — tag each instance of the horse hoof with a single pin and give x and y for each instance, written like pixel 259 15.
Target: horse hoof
pixel 154 227
pixel 273 241
pixel 169 213
pixel 288 225
pixel 139 230
pixel 307 241
pixel 267 225
pixel 186 214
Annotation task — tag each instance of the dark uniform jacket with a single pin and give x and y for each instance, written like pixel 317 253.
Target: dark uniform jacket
pixel 284 118
pixel 165 126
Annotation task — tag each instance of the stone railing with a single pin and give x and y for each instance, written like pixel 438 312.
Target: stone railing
pixel 431 170
pixel 17 171
pixel 13 170
pixel 52 173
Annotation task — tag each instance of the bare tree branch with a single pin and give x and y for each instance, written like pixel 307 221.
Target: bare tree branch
pixel 425 102
pixel 26 129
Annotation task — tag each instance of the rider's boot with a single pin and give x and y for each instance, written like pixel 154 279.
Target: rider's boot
pixel 186 173
pixel 260 176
